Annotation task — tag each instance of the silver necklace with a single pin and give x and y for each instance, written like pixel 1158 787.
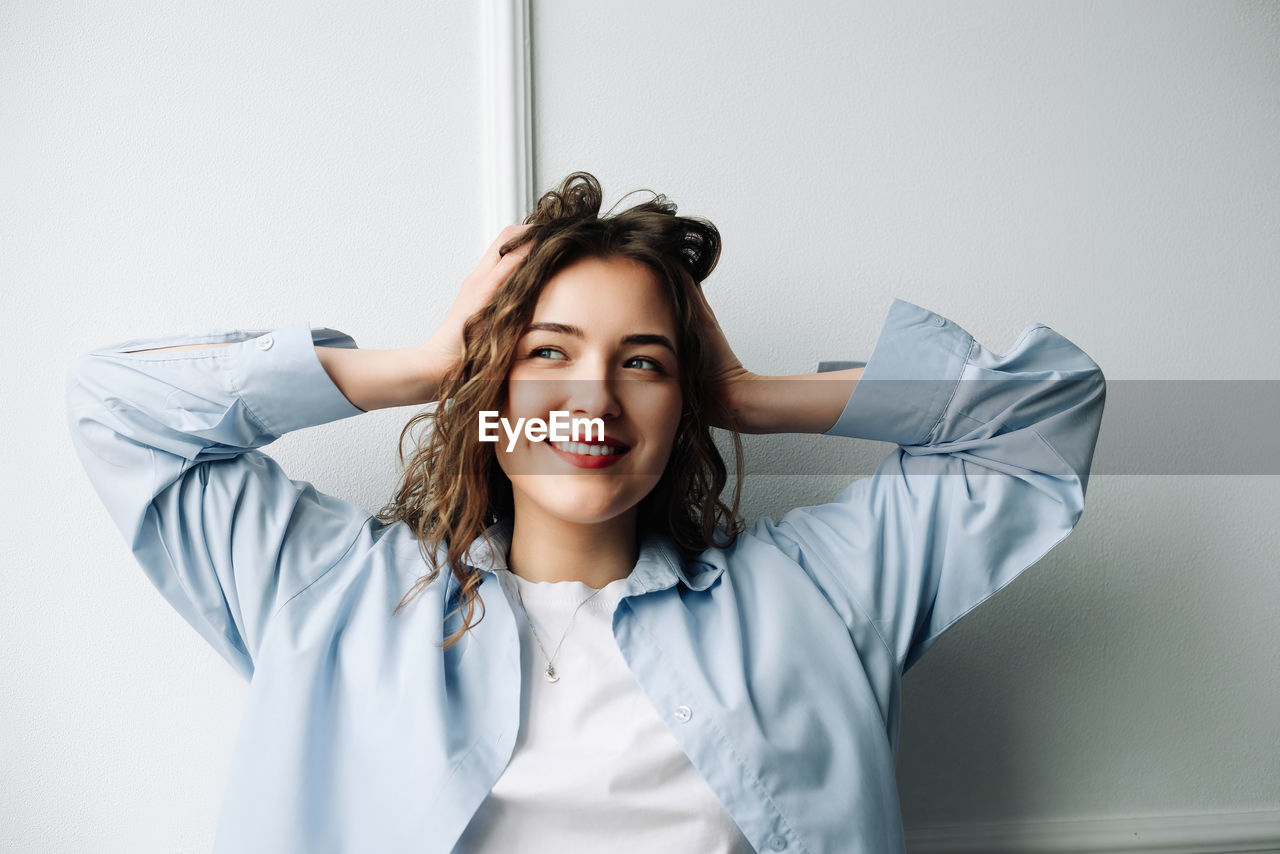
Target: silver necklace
pixel 550 672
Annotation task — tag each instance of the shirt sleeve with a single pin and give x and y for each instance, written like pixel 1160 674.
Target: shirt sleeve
pixel 169 441
pixel 990 474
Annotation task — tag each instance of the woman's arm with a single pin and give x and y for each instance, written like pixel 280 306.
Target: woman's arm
pixel 170 441
pixel 804 403
pixel 170 430
pixel 411 376
pixel 371 379
pixel 990 473
pixel 377 379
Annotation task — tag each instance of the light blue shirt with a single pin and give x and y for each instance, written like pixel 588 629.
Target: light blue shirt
pixel 775 663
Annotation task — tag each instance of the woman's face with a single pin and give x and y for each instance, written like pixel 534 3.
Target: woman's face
pixel 600 345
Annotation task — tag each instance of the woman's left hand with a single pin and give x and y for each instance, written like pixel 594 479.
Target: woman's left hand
pixel 724 372
pixel 805 403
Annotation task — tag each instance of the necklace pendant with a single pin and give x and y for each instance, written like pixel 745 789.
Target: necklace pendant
pixel 550 673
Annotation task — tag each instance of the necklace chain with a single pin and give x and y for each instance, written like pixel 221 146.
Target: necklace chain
pixel 550 672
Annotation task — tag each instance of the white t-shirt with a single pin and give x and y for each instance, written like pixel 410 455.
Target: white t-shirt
pixel 594 767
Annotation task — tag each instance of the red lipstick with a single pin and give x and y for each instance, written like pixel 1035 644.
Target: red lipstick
pixel 592 461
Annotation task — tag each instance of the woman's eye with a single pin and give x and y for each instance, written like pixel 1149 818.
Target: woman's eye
pixel 547 353
pixel 652 364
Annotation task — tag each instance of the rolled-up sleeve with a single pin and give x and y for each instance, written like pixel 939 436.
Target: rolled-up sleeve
pixel 990 474
pixel 169 441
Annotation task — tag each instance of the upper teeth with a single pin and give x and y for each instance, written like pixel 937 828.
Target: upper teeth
pixel 593 450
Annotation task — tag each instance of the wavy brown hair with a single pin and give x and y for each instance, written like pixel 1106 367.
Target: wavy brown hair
pixel 452 488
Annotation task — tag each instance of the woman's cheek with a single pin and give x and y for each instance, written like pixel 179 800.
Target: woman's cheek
pixel 674 405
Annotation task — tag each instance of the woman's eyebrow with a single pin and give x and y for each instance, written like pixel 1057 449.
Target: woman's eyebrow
pixel 547 326
pixel 576 331
pixel 644 338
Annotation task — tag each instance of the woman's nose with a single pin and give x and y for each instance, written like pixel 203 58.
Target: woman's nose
pixel 592 393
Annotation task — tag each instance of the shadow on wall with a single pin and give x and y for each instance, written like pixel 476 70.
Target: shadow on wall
pixel 1006 711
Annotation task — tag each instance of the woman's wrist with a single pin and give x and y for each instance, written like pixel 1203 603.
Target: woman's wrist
pixel 434 363
pixel 747 404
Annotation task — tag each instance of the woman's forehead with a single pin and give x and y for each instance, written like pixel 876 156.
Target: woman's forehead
pixel 606 295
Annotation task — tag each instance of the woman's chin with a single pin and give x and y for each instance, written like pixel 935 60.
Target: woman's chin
pixel 578 503
pixel 586 512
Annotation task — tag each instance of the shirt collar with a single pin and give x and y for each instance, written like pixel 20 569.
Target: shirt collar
pixel 660 565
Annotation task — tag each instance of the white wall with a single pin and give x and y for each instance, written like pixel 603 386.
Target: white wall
pixel 1108 169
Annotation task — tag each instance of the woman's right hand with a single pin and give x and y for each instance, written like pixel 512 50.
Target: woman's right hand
pixel 444 348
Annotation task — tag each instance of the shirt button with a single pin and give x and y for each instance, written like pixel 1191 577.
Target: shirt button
pixel 777 843
pixel 683 713
pixel 265 342
pixel 938 321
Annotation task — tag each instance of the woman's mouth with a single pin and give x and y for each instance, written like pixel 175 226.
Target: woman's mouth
pixel 588 455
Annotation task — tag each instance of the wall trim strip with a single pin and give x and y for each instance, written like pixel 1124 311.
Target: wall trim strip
pixel 1214 833
pixel 507 107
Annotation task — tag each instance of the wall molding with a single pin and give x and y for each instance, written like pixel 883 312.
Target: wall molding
pixel 507 107
pixel 1213 833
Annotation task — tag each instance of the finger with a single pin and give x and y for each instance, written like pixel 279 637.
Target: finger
pixel 510 233
pixel 515 256
pixel 509 262
pixel 491 254
pixel 518 254
pixel 699 297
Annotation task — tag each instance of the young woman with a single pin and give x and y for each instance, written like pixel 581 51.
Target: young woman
pixel 544 645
